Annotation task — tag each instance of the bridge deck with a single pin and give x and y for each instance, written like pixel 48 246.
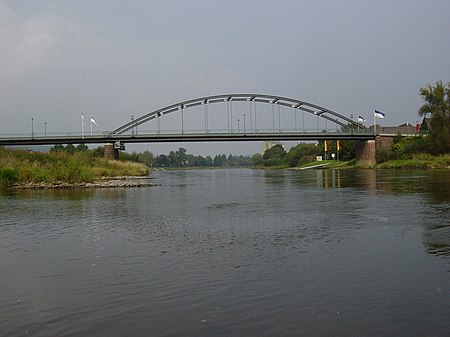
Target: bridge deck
pixel 185 137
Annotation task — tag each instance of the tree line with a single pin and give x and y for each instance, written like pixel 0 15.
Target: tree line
pixel 304 153
pixel 180 158
pixel 275 156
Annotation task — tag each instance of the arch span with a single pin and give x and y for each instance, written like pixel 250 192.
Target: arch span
pixel 258 98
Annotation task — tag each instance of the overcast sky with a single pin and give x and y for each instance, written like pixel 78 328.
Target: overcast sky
pixel 113 59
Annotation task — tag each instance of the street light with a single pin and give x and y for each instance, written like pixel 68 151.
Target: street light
pixel 244 123
pixel 45 129
pixel 238 124
pixel 32 127
pixel 132 129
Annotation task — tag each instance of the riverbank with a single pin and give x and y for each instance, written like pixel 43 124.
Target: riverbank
pixel 111 182
pixel 418 161
pixel 325 164
pixel 25 169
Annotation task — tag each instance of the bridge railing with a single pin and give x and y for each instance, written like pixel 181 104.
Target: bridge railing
pixel 241 131
pixel 137 133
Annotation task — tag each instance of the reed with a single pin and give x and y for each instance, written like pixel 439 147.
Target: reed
pixel 21 166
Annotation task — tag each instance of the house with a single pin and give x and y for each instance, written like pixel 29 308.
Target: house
pixel 403 129
pixel 425 127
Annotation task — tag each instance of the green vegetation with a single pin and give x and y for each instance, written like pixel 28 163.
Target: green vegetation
pixel 422 160
pixel 181 159
pixel 21 166
pixel 403 149
pixel 424 152
pixel 303 153
pixel 430 151
pixel 328 164
pixel 274 156
pixel 437 104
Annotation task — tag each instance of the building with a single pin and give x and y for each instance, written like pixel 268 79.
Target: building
pixel 269 144
pixel 403 129
pixel 425 127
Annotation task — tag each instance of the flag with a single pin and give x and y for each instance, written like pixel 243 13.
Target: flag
pixel 338 143
pixel 325 146
pixel 93 120
pixel 361 119
pixel 82 119
pixel 379 114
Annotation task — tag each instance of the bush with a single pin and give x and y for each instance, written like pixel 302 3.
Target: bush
pixel 403 149
pixel 8 177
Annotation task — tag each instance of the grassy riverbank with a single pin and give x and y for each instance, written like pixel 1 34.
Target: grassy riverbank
pixel 418 161
pixel 21 167
pixel 326 164
pixel 422 160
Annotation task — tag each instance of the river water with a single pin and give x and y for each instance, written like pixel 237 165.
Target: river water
pixel 235 252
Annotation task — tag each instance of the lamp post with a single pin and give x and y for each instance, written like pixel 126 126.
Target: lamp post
pixel 238 124
pixel 244 123
pixel 32 127
pixel 45 129
pixel 132 129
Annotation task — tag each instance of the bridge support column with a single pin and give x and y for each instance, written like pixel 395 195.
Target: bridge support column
pixel 111 152
pixel 365 153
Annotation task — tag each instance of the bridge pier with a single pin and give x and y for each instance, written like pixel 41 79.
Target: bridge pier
pixel 111 152
pixel 365 153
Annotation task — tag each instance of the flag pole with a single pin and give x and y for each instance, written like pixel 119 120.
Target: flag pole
pixel 91 125
pixel 82 126
pixel 338 147
pixel 374 125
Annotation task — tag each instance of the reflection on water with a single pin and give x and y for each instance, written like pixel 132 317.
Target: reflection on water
pixel 432 185
pixel 231 253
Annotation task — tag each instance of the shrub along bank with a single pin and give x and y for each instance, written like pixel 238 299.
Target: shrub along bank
pixel 22 166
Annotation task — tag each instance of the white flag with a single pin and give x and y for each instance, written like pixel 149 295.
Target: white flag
pixel 82 119
pixel 379 114
pixel 93 120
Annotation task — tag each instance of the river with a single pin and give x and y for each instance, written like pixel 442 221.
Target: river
pixel 234 252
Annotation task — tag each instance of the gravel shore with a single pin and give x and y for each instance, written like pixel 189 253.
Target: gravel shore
pixel 112 182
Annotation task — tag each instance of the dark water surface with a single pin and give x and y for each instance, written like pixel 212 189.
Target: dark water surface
pixel 231 253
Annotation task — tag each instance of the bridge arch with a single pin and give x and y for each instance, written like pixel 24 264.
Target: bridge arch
pixel 314 109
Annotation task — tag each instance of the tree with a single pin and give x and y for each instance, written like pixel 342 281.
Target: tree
pixel 301 154
pixel 437 103
pixel 70 148
pixel 172 159
pixel 219 160
pixel 257 159
pixel 58 147
pixel 98 152
pixel 348 149
pixel 161 160
pixel 147 158
pixel 274 156
pixel 181 157
pixel 82 148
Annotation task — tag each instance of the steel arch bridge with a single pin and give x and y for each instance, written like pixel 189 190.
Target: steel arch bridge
pixel 301 105
pixel 127 133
